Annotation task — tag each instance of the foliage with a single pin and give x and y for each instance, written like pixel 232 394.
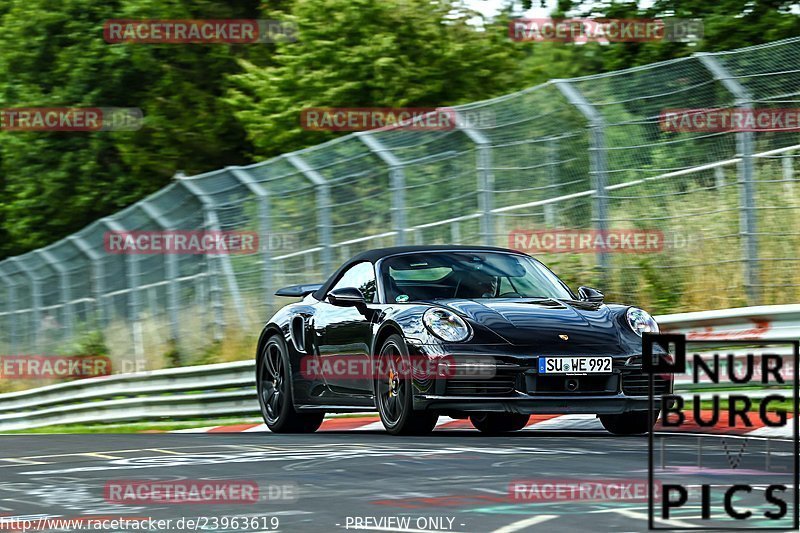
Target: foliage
pixel 362 53
pixel 208 106
pixel 54 183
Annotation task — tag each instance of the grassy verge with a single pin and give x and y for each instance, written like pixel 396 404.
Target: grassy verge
pixel 787 406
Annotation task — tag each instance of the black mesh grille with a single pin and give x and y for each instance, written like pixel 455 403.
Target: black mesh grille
pixel 495 386
pixel 601 384
pixel 636 384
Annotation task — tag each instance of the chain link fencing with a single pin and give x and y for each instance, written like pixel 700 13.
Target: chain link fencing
pixel 589 153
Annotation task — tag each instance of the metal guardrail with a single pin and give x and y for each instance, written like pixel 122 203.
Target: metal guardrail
pixel 205 391
pixel 228 389
pixel 765 322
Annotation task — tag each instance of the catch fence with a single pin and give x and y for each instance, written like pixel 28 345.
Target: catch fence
pixel 589 153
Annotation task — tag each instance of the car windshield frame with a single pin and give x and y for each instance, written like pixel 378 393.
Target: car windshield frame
pixel 558 291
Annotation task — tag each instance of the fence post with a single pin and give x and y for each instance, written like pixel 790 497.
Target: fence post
pixel 598 169
pixel 134 297
pixel 63 285
pixel 744 146
pixel 323 192
pixel 36 300
pixel 11 294
pixel 212 223
pixel 455 233
pixel 214 290
pixel 719 177
pixel 98 286
pixel 170 272
pixel 264 230
pixel 788 174
pixel 397 184
pixel 552 173
pixel 483 165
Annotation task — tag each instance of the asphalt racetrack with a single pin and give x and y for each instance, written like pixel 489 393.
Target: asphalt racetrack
pixel 455 480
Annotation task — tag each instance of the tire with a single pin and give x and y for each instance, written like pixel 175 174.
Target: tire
pixel 496 423
pixel 394 394
pixel 633 423
pixel 274 386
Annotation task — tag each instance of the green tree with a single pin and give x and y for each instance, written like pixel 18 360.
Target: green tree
pixel 55 183
pixel 728 24
pixel 365 53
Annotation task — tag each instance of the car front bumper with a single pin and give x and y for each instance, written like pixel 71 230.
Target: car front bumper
pixel 513 385
pixel 529 404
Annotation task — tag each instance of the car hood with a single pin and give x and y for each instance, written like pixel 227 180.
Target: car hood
pixel 541 321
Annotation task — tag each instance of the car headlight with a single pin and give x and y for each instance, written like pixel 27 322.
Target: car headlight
pixel 640 321
pixel 446 325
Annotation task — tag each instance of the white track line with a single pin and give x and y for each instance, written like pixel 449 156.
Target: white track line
pixel 630 513
pixel 261 428
pixel 567 423
pixel 523 524
pixel 786 431
pixel 372 426
pixel 445 420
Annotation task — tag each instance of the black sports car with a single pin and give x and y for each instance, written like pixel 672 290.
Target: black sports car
pixel 421 331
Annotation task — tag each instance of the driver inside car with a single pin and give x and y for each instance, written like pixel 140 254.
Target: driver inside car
pixel 477 284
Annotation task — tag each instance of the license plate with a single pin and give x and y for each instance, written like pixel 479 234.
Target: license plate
pixel 575 365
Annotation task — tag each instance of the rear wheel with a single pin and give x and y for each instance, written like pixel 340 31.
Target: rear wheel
pixel 633 423
pixel 273 382
pixel 495 423
pixel 394 392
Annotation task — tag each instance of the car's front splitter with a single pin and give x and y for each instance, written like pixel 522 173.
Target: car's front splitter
pixel 525 404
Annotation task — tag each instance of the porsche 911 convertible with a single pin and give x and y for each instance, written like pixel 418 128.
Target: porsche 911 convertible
pixel 474 332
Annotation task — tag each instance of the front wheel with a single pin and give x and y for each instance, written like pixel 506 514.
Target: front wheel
pixel 273 382
pixel 633 423
pixel 394 392
pixel 495 423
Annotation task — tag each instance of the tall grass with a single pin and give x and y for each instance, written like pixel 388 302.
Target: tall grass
pixel 704 270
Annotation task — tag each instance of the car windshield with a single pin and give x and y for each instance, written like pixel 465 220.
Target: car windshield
pixel 472 275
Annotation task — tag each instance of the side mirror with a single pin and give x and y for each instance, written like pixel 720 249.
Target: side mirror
pixel 346 297
pixel 588 294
